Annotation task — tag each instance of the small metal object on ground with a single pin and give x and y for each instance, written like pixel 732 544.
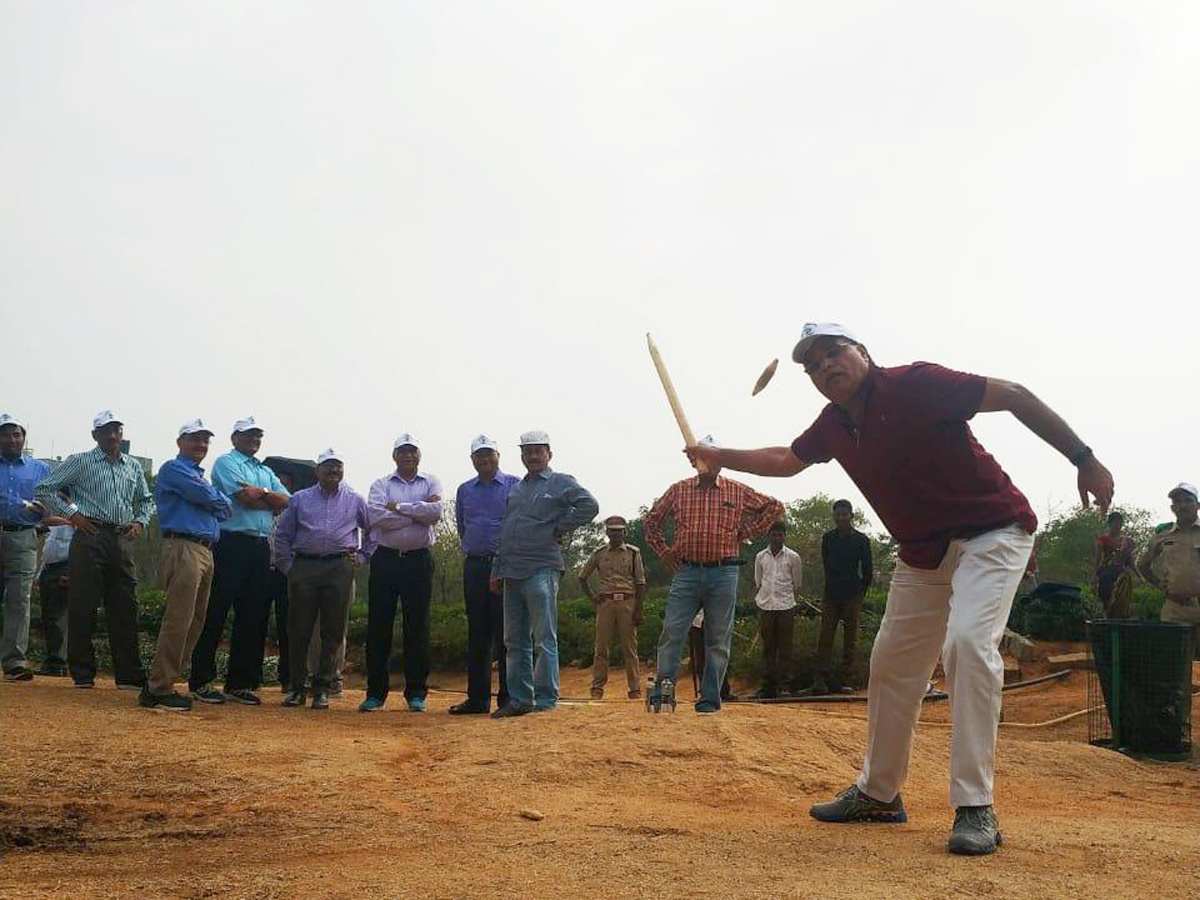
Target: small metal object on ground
pixel 661 694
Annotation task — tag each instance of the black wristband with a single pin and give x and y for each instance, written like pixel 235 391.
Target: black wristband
pixel 1080 457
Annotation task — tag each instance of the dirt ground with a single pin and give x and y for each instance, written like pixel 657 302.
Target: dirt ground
pixel 103 799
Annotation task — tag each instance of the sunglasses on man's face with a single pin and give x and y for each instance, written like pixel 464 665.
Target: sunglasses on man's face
pixel 813 365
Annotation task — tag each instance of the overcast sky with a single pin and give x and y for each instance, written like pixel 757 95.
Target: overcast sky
pixel 355 219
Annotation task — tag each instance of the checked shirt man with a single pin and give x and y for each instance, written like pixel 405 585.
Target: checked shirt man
pixel 713 516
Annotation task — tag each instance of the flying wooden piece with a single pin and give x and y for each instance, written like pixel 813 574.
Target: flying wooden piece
pixel 765 378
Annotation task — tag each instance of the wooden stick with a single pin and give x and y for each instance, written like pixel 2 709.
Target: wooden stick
pixel 689 439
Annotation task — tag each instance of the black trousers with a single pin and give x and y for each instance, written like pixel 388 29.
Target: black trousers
pixel 100 568
pixel 409 577
pixel 277 598
pixel 241 575
pixel 53 595
pixel 485 633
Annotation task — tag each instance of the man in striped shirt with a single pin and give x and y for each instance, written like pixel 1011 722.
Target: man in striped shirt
pixel 110 507
pixel 712 516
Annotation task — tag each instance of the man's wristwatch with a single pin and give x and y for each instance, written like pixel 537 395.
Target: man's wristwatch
pixel 1080 456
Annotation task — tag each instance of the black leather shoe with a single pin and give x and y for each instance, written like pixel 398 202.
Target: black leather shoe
pixel 976 831
pixel 320 700
pixel 467 708
pixel 506 712
pixel 295 698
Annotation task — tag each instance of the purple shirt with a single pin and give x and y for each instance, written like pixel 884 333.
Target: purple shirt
pixel 323 524
pixel 478 509
pixel 410 527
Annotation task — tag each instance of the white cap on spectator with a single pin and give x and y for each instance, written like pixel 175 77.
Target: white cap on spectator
pixel 194 426
pixel 406 440
pixel 483 442
pixel 105 417
pixel 1184 488
pixel 329 454
pixel 7 419
pixel 247 424
pixel 813 330
pixel 535 437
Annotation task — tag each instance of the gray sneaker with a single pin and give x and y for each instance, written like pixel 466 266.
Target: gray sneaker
pixel 976 831
pixel 852 805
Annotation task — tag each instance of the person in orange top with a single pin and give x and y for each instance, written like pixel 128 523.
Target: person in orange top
pixel 712 517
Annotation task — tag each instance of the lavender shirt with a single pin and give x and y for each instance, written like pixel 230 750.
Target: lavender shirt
pixel 411 526
pixel 322 524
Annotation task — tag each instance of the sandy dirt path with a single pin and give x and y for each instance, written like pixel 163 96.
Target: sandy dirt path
pixel 103 799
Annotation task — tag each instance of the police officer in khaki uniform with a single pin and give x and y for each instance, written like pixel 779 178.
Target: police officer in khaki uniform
pixel 622 593
pixel 1179 547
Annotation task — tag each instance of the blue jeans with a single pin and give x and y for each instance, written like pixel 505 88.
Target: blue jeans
pixel 715 591
pixel 531 624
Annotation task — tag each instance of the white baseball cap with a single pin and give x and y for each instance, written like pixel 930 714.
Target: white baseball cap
pixel 247 424
pixel 105 417
pixel 194 426
pixel 6 419
pixel 483 442
pixel 329 454
pixel 708 441
pixel 1185 488
pixel 406 440
pixel 535 437
pixel 813 330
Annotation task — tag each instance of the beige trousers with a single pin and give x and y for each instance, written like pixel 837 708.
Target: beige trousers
pixel 610 611
pixel 959 611
pixel 186 570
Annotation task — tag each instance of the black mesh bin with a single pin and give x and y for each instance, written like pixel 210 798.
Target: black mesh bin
pixel 1143 680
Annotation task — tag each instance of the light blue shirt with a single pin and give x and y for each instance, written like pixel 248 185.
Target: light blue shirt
pixel 233 471
pixel 539 510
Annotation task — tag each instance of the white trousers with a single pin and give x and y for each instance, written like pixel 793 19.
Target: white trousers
pixel 958 610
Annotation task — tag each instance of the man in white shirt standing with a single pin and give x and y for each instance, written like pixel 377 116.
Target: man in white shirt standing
pixel 52 589
pixel 777 576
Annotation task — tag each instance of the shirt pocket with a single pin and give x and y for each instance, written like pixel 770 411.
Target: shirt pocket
pixel 728 517
pixel 544 509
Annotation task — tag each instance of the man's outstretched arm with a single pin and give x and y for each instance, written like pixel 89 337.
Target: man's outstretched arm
pixel 1008 396
pixel 778 462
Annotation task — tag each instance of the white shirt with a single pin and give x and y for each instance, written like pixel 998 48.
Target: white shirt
pixel 777 578
pixel 57 545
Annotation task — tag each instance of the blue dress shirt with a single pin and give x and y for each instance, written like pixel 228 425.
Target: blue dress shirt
pixel 18 478
pixel 478 510
pixel 187 504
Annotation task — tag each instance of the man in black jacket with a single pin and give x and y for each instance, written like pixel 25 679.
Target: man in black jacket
pixel 846 556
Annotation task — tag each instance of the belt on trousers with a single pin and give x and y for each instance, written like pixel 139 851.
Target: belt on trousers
pixel 420 551
pixel 104 526
pixel 184 536
pixel 6 526
pixel 324 556
pixel 243 534
pixel 716 563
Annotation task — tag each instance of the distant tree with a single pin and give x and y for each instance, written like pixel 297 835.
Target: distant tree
pixel 447 559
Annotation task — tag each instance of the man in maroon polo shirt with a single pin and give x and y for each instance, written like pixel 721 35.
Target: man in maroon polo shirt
pixel 965 534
